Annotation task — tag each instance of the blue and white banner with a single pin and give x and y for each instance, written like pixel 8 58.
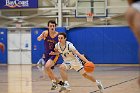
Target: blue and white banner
pixel 15 4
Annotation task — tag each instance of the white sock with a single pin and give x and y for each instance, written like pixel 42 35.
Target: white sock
pixel 66 82
pixel 53 81
pixel 97 81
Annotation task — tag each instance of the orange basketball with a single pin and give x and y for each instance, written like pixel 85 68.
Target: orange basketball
pixel 2 47
pixel 89 67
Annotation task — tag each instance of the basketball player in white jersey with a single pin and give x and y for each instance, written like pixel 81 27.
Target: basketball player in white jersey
pixel 71 59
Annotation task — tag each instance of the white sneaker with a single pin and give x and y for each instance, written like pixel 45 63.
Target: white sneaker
pixel 54 86
pixel 100 86
pixel 65 87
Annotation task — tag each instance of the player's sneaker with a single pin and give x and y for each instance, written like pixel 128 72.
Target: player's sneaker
pixel 66 86
pixel 61 83
pixel 54 86
pixel 100 86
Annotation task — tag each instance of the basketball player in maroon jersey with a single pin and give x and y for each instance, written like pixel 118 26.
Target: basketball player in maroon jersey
pixel 50 38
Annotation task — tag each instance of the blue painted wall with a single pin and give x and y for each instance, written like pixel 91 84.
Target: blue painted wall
pixel 3 39
pixel 112 45
pixel 103 45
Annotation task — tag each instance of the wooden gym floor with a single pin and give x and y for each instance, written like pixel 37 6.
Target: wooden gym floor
pixel 28 79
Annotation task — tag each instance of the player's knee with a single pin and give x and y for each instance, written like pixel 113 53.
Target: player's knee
pixel 47 67
pixel 62 67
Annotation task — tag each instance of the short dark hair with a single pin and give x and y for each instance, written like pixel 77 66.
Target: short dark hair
pixel 52 21
pixel 63 33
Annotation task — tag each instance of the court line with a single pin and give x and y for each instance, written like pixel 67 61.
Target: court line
pixel 116 84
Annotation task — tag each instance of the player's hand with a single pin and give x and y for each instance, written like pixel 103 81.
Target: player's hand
pixel 52 53
pixel 44 35
pixel 84 62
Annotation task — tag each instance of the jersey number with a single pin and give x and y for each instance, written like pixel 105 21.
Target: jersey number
pixel 50 45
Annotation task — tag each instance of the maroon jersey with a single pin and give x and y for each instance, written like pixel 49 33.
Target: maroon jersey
pixel 49 43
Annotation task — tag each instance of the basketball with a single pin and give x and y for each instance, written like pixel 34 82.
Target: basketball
pixel 2 47
pixel 89 67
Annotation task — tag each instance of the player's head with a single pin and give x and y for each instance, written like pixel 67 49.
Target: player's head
pixel 51 25
pixel 62 37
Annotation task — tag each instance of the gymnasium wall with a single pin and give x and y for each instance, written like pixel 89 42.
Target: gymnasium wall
pixel 3 39
pixel 105 45
pixel 38 46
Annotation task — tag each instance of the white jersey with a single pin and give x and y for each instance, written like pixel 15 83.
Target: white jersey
pixel 67 53
pixel 71 60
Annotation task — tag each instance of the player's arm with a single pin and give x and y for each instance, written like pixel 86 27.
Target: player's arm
pixel 54 53
pixel 82 57
pixel 42 36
